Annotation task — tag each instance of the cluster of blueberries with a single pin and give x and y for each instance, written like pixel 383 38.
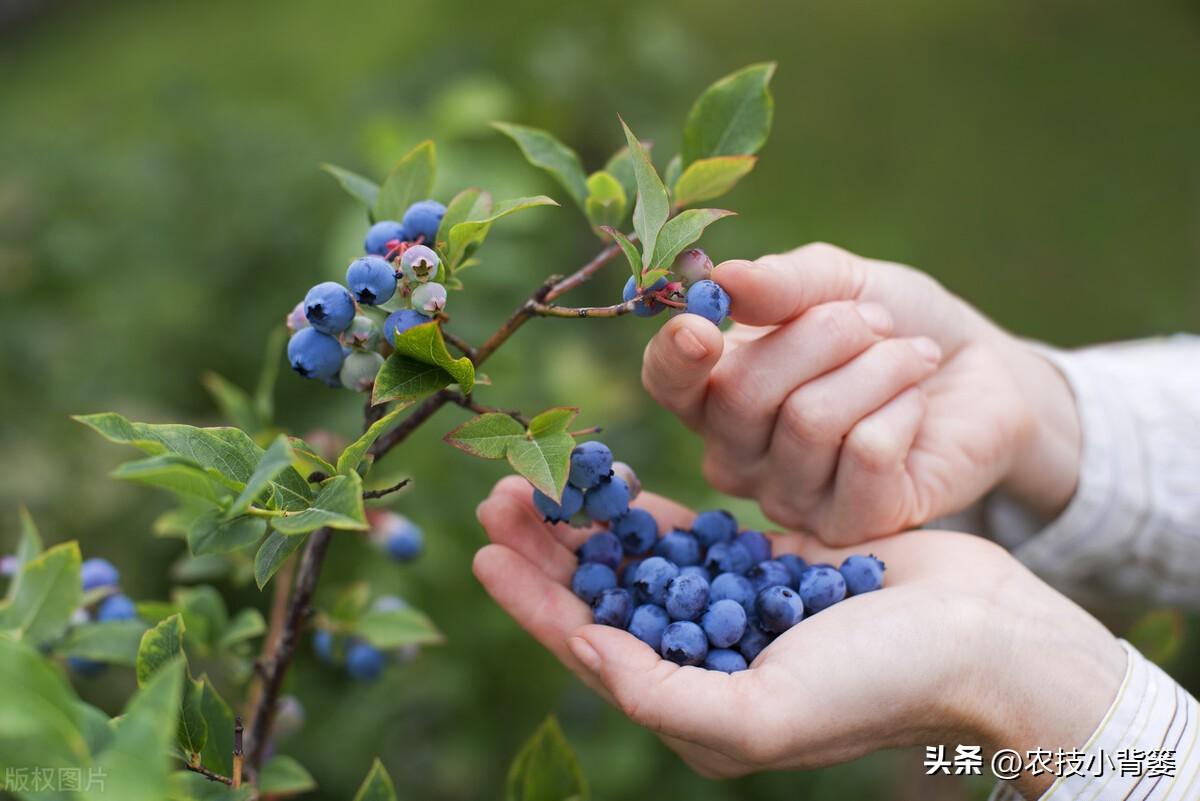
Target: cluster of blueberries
pixel 701 295
pixel 709 596
pixel 331 341
pixel 101 575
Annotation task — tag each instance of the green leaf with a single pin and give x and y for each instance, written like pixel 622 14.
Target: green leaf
pixel 631 255
pixel 232 401
pixel 339 505
pixel 310 460
pixel 160 646
pixel 96 727
pixel 421 364
pixel 546 769
pixel 41 723
pixel 377 786
pixel 351 603
pixel 176 474
pixel 470 233
pixel 246 625
pixel 487 435
pixel 545 461
pixel 706 179
pixel 732 117
pixel 111 641
pixel 462 207
pixel 620 166
pixel 264 393
pixel 606 200
pixel 409 181
pixel 209 533
pixel 671 173
pixel 364 190
pixel 397 627
pixel 274 551
pixel 48 591
pixel 652 206
pixel 217 754
pixel 543 150
pixel 29 546
pixel 352 457
pixel 277 458
pixel 552 421
pixel 682 230
pixel 204 614
pixel 283 775
pixel 193 730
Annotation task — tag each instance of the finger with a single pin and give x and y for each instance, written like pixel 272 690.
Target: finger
pixel 778 288
pixel 514 523
pixel 677 362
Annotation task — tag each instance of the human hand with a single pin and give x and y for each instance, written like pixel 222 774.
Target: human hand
pixel 856 398
pixel 962 645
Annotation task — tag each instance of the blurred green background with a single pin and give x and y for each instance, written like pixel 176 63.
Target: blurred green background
pixel 161 210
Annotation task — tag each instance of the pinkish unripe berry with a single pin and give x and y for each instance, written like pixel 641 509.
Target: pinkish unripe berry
pixel 296 318
pixel 692 265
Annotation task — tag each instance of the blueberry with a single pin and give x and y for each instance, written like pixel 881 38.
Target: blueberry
pixel 402 321
pixel 606 500
pixel 637 530
pixel 289 717
pixel 757 544
pixel 363 333
pixel 602 547
pixel 313 354
pixel 382 232
pixel 98 573
pixel 795 566
pixel 652 578
pixel 714 526
pixel 862 573
pixel 629 574
pixel 329 308
pixel 686 596
pixel 422 219
pixel 400 537
pixel 694 570
pixel 728 557
pixel 684 643
pixel 821 586
pixel 359 370
pixel 372 280
pixel 625 473
pixel 707 299
pixel 735 587
pixel 590 462
pixel 725 660
pixel 754 640
pixel 770 573
pixel 85 667
pixel 323 645
pixel 778 609
pixel 554 512
pixel 116 607
pixel 724 623
pixel 648 623
pixel 419 263
pixel 680 547
pixel 295 319
pixel 646 307
pixel 591 579
pixel 692 265
pixel 364 661
pixel 613 607
pixel 429 298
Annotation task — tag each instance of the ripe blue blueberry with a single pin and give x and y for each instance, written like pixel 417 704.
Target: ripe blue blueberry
pixel 85 667
pixel 862 573
pixel 684 643
pixel 734 587
pixel 646 307
pixel 754 640
pixel 382 232
pixel 116 607
pixel 422 219
pixel 714 526
pixel 359 370
pixel 778 609
pixel 653 575
pixel 625 473
pixel 636 529
pixel 724 623
pixel 680 547
pixel 648 624
pixel 694 570
pixel 725 660
pixel 629 574
pixel 329 308
pixel 686 596
pixel 429 298
pixel 692 265
pixel 419 263
pixel 795 566
pixel 372 280
pixel 95 573
pixel 606 500
pixel 590 462
pixel 613 607
pixel 552 510
pixel 707 299
pixel 591 579
pixel 402 321
pixel 602 547
pixel 757 544
pixel 323 645
pixel 313 354
pixel 770 573
pixel 728 557
pixel 821 586
pixel 364 661
pixel 400 537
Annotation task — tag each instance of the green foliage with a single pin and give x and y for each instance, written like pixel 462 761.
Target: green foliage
pixel 652 208
pixel 681 231
pixel 421 364
pixel 487 436
pixel 710 178
pixel 546 769
pixel 339 504
pixel 377 786
pixel 135 765
pixel 111 641
pixel 732 117
pixel 540 452
pixel 361 189
pixel 409 181
pixel 277 458
pixel 271 555
pixel 47 593
pixel 160 646
pixel 606 201
pixel 465 236
pixel 42 722
pixel 542 150
pixel 351 459
pixel 282 775
pixel 395 628
pixel 210 533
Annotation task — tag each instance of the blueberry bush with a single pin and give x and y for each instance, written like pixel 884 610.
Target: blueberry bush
pixel 260 507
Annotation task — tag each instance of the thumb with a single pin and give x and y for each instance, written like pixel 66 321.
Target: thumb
pixel 775 289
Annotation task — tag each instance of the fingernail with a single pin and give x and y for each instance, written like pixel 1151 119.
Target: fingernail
pixel 927 349
pixel 585 653
pixel 878 318
pixel 689 344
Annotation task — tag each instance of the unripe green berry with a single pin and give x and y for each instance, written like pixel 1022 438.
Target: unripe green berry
pixel 359 370
pixel 419 263
pixel 429 298
pixel 363 333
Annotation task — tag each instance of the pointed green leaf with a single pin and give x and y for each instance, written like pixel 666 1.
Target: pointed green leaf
pixel 732 117
pixel 339 504
pixel 682 230
pixel 96 727
pixel 351 458
pixel 461 208
pixel 274 551
pixel 161 645
pixel 552 421
pixel 606 201
pixel 283 775
pixel 364 190
pixel 210 533
pixel 111 641
pixel 28 548
pixel 487 435
pixel 42 724
pixel 308 458
pixel 193 730
pixel 275 460
pixel 377 786
pixel 545 461
pixel 409 181
pixel 48 591
pixel 543 150
pixel 246 625
pixel 546 769
pixel 176 474
pixel 706 179
pixel 470 234
pixel 421 364
pixel 652 206
pixel 204 614
pixel 620 166
pixel 395 628
pixel 629 250
pixel 217 754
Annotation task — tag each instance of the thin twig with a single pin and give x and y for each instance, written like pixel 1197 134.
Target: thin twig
pixel 208 774
pixel 238 754
pixel 379 493
pixel 551 310
pixel 464 347
pixel 467 402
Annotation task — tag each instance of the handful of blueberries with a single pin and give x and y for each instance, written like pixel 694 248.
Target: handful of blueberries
pixel 710 595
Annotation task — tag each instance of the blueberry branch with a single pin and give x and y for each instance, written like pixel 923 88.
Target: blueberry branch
pixel 379 493
pixel 552 310
pixel 208 774
pixel 466 402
